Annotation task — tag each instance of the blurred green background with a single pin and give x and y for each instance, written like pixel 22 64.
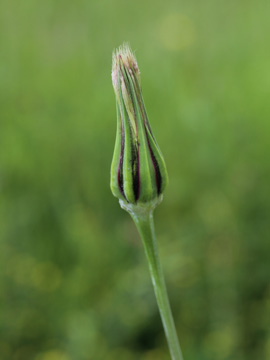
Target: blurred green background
pixel 74 283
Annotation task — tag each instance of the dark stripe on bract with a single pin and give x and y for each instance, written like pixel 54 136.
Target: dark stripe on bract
pixel 135 147
pixel 147 126
pixel 135 172
pixel 155 164
pixel 120 165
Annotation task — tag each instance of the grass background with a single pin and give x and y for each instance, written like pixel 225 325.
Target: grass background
pixel 74 283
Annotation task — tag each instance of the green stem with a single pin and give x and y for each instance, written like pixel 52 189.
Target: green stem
pixel 145 225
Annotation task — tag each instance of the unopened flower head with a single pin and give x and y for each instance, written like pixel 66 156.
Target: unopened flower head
pixel 138 171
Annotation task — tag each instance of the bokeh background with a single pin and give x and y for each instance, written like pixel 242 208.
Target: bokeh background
pixel 74 283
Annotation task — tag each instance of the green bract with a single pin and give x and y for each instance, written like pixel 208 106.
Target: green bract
pixel 138 171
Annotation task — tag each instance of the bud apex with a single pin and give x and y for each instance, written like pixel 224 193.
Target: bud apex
pixel 138 171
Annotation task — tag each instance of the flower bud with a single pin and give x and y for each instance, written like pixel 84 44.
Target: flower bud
pixel 138 171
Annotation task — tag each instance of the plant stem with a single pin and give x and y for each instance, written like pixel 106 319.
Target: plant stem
pixel 145 225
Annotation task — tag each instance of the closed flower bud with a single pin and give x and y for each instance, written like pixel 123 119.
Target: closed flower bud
pixel 138 171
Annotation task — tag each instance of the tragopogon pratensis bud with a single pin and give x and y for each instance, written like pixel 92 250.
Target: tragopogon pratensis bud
pixel 138 171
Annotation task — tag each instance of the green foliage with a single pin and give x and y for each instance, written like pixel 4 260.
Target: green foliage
pixel 74 282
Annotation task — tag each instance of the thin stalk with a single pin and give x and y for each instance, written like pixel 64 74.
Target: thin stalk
pixel 145 226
